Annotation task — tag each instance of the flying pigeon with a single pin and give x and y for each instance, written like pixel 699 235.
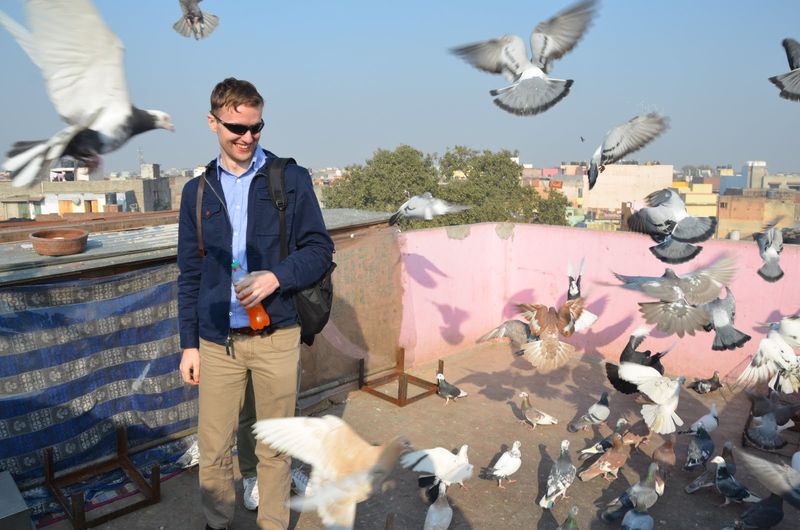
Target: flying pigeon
pixel 705 386
pixel 660 416
pixel 574 290
pixel 531 90
pixel 447 390
pixel 709 422
pixel 440 514
pixel 508 464
pixel 194 22
pixel 549 353
pixel 643 492
pixel 680 296
pixel 773 356
pixel 345 469
pixel 770 246
pixel 561 477
pixel 624 139
pixel 728 486
pixel 700 449
pixel 534 416
pixel 789 328
pixel 638 518
pixel 630 355
pixel 609 462
pixel 439 465
pixel 764 514
pixel 789 83
pixel 707 478
pixel 517 331
pixel 722 313
pixel 779 479
pixel 81 61
pixel 666 221
pixel 598 413
pixel 426 207
pixel 571 522
pixel 605 444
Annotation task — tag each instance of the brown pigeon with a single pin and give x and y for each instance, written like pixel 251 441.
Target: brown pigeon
pixel 549 353
pixel 609 462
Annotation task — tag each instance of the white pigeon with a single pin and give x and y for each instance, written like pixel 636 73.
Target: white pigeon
pixel 531 90
pixel 193 22
pixel 773 355
pixel 440 514
pixel 426 207
pixel 770 246
pixel 345 468
pixel 447 467
pixel 624 139
pixel 789 328
pixel 709 421
pixel 508 464
pixel 81 61
pixel 789 83
pixel 664 392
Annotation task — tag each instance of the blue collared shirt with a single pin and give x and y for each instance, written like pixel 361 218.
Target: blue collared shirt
pixel 236 192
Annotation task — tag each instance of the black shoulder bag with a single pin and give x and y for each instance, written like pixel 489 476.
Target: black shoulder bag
pixel 313 304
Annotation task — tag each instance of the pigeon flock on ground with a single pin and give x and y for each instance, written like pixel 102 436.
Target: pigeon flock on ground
pixel 86 84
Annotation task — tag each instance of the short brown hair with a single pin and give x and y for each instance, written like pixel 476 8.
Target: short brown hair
pixel 232 92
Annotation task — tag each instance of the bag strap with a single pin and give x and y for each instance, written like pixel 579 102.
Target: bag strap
pixel 201 186
pixel 277 190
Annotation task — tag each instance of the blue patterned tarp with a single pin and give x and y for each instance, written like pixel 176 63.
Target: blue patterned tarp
pixel 79 358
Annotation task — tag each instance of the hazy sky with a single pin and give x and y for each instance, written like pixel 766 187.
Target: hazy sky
pixel 344 78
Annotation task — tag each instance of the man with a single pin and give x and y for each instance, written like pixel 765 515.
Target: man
pixel 239 222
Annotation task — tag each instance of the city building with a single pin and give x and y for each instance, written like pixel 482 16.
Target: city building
pixel 150 171
pixel 744 212
pixel 755 171
pixel 700 199
pixel 625 183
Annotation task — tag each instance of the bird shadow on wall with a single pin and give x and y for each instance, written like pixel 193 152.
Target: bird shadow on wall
pixel 452 318
pixel 592 340
pixel 510 309
pixel 422 270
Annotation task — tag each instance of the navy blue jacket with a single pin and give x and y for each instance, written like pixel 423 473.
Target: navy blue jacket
pixel 204 283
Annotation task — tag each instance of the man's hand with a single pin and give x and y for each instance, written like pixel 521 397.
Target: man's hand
pixel 255 287
pixel 190 366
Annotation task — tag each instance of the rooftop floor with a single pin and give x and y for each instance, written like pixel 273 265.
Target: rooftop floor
pixel 486 421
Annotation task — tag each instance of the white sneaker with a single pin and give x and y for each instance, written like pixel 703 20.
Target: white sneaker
pixel 250 493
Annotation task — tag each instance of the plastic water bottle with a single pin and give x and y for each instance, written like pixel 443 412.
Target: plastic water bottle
pixel 259 319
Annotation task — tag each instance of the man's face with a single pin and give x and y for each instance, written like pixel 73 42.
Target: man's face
pixel 237 149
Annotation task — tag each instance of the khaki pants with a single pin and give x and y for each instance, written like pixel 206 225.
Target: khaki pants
pixel 273 363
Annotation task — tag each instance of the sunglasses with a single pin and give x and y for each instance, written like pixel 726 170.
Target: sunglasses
pixel 238 129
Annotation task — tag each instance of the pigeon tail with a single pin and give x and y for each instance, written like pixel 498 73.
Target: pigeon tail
pixel 660 419
pixel 694 229
pixel 548 354
pixel 674 252
pixel 771 271
pixel 182 26
pixel 531 96
pixel 789 83
pixel 728 338
pixel 209 24
pixel 30 161
pixel 395 218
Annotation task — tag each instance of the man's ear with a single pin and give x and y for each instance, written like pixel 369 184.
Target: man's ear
pixel 212 122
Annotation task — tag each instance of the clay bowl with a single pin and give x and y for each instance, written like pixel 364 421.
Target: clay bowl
pixel 59 241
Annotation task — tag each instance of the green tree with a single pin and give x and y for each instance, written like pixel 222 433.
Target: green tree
pixel 384 182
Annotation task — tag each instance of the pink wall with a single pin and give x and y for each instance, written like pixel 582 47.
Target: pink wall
pixel 460 282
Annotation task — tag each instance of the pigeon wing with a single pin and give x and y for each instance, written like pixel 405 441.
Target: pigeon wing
pixel 780 479
pixel 703 285
pixel 632 136
pixel 81 63
pixel 556 36
pixel 504 55
pixel 792 48
pixel 651 383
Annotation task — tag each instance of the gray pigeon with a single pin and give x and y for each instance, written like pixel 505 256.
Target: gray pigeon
pixel 704 386
pixel 706 479
pixel 642 493
pixel 425 207
pixel 763 433
pixel 561 477
pixel 789 83
pixel 598 413
pixel 700 449
pixel 81 61
pixel 666 220
pixel 447 390
pixel 763 515
pixel 624 139
pixel 531 90
pixel 779 479
pixel 679 309
pixel 722 313
pixel 532 415
pixel 517 331
pixel 195 23
pixel 728 486
pixel 638 518
pixel 770 246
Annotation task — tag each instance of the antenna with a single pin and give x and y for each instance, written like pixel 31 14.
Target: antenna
pixel 140 151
